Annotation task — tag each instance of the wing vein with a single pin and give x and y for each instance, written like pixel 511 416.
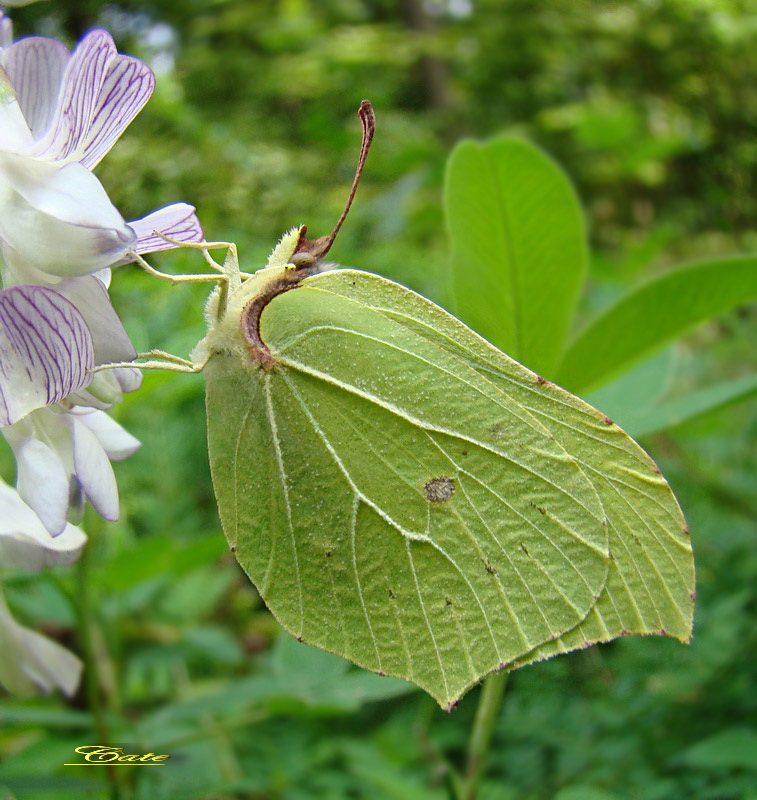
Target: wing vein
pixel 298 366
pixel 285 489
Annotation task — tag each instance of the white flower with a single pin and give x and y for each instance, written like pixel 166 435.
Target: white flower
pixel 45 350
pixel 60 113
pixel 63 459
pixel 24 541
pixel 62 452
pixel 31 661
pixel 55 216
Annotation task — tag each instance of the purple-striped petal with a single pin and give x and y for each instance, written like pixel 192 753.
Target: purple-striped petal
pixel 110 341
pixel 126 89
pixel 57 220
pixel 35 67
pixel 178 221
pixel 14 132
pixel 83 79
pixel 45 350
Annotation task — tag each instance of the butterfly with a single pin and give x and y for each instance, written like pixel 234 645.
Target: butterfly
pixel 407 496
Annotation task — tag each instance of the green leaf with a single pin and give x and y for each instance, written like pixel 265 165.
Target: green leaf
pixel 324 680
pixel 637 400
pixel 293 679
pixel 584 793
pixel 519 251
pixel 158 556
pixel 40 765
pixel 653 315
pixel 731 749
pixel 383 779
pixel 677 410
pixel 403 494
pixel 637 390
pixel 44 717
pixel 214 643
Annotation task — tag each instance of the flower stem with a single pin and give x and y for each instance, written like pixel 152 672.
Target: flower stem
pixel 86 620
pixel 489 704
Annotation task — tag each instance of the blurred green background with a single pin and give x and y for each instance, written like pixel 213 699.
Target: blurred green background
pixel 651 108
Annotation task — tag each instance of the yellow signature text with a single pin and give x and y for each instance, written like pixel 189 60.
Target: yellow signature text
pixel 102 754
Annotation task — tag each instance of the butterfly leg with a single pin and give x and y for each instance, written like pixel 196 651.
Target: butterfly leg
pixel 160 360
pixel 202 278
pixel 230 264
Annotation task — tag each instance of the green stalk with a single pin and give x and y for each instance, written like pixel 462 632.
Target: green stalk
pixel 489 704
pixel 86 627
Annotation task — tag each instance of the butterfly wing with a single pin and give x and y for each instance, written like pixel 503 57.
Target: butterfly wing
pixel 389 500
pixel 650 588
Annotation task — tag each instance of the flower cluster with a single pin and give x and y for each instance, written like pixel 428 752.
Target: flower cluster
pixel 60 235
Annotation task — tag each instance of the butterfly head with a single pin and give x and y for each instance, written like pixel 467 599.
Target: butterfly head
pixel 297 251
pixel 234 319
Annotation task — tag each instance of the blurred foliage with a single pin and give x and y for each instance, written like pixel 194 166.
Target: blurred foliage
pixel 650 107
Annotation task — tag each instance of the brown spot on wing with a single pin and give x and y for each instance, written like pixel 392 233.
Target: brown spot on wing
pixel 439 490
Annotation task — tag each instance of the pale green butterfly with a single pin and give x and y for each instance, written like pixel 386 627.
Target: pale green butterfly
pixel 404 494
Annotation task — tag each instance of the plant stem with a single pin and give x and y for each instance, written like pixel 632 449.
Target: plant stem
pixel 489 704
pixel 86 619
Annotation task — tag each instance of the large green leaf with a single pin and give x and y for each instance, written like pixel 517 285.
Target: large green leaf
pixel 637 390
pixel 639 401
pixel 654 315
pixel 407 496
pixel 518 247
pixel 676 410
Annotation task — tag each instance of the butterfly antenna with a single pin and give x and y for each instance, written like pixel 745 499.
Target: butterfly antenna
pixel 368 121
pixel 317 248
